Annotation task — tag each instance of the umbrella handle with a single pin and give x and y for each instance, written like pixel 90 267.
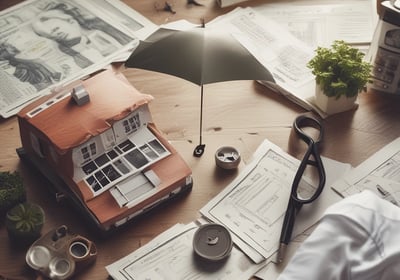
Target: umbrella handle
pixel 199 150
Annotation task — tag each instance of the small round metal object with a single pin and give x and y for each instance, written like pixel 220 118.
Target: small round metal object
pixel 38 257
pixel 227 157
pixel 212 242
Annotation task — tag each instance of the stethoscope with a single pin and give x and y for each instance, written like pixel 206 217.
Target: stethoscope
pixel 311 158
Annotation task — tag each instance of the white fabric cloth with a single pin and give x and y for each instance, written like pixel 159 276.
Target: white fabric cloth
pixel 358 238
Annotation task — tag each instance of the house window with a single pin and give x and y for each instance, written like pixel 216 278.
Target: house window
pixel 85 153
pixel 131 124
pixel 104 169
pixel 92 148
pixel 88 151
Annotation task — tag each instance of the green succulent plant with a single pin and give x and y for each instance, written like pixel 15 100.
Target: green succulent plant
pixel 340 70
pixel 26 217
pixel 12 190
pixel 24 222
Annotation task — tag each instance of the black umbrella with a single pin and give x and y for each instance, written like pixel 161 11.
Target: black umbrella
pixel 200 55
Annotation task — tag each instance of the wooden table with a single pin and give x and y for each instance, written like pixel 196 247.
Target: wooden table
pixel 238 113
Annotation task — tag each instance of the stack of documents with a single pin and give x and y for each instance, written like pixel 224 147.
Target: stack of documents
pixel 283 37
pixel 252 207
pixel 319 23
pixel 281 34
pixel 170 256
pixel 284 55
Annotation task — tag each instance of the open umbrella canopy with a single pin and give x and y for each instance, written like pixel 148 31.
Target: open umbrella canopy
pixel 200 55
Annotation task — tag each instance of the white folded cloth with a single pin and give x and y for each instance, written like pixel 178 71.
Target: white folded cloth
pixel 358 238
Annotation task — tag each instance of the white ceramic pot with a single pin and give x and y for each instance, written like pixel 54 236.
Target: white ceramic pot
pixel 332 105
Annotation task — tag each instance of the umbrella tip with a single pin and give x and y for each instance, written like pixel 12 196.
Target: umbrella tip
pixel 199 150
pixel 203 22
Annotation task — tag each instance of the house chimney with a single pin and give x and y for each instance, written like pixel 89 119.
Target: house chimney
pixel 80 95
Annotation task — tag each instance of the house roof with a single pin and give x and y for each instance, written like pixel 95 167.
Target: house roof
pixel 68 125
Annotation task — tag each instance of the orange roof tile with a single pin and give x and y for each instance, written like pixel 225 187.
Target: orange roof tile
pixel 68 125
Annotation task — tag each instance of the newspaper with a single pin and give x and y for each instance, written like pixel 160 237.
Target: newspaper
pixel 45 44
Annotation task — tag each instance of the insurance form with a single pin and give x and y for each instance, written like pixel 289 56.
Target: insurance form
pixel 380 173
pixel 286 54
pixel 170 256
pixel 319 23
pixel 252 207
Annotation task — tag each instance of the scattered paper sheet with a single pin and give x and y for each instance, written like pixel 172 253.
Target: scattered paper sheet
pixel 272 270
pixel 170 256
pixel 319 23
pixel 284 55
pixel 380 173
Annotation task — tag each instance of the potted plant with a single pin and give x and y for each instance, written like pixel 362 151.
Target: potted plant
pixel 340 75
pixel 24 223
pixel 12 191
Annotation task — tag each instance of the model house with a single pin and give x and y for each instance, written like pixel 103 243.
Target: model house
pixel 96 141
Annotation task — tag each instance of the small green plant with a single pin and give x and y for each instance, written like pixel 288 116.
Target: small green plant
pixel 340 70
pixel 25 217
pixel 12 190
pixel 24 222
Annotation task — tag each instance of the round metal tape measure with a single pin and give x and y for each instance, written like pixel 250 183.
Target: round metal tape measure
pixel 227 157
pixel 212 242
